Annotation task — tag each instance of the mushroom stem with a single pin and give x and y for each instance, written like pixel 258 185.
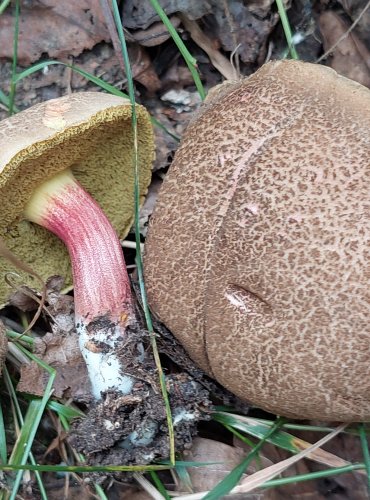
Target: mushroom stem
pixel 103 301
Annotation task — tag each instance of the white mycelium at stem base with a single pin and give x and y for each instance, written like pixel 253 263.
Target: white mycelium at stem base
pixel 103 302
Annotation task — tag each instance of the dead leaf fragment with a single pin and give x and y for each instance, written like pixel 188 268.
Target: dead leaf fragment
pixel 59 29
pixel 219 61
pixel 227 457
pixel 350 57
pixel 359 12
pixel 232 23
pixel 63 354
pixel 148 206
pixel 156 34
pixel 58 349
pixel 139 14
pixel 143 69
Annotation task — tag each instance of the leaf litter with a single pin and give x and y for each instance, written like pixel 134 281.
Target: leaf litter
pixel 216 28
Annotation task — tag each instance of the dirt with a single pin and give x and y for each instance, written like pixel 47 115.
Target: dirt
pixel 227 38
pixel 133 429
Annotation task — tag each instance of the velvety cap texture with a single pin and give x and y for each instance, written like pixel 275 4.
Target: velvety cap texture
pixel 257 257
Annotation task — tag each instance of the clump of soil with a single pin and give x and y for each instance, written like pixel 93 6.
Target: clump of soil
pixel 133 429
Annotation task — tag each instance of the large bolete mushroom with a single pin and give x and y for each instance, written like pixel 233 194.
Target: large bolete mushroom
pixel 47 153
pixel 257 257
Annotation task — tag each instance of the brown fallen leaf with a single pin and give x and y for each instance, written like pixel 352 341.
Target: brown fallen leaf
pixel 177 75
pixel 139 14
pixel 58 349
pixel 257 479
pixel 63 354
pixel 227 457
pixel 219 61
pixel 359 12
pixel 349 57
pixel 232 22
pixel 143 69
pixel 59 488
pixel 156 34
pixel 166 143
pixel 238 29
pixel 56 28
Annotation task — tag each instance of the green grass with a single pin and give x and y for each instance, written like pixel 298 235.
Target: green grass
pixel 21 458
pixel 139 263
pixel 287 30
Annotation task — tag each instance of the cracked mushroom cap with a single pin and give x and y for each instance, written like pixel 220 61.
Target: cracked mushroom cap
pixel 257 257
pixel 89 132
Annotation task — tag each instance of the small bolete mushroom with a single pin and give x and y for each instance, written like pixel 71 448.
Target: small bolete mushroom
pixel 257 256
pixel 89 134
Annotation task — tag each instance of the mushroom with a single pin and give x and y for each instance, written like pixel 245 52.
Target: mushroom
pixel 257 255
pixel 89 134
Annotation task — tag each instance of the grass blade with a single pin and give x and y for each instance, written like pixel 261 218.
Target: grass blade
pixel 139 264
pixel 232 479
pixel 3 452
pixel 189 59
pixel 20 422
pixel 286 27
pixel 365 451
pixel 281 439
pixel 3 5
pixel 258 479
pixel 310 476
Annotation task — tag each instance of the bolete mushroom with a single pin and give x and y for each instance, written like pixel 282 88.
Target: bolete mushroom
pixel 257 256
pixel 89 134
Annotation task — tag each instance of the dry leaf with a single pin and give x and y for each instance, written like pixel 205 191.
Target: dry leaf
pixel 207 477
pixel 156 34
pixel 349 57
pixel 58 349
pixel 63 354
pixel 56 28
pixel 260 477
pixel 355 10
pixel 219 61
pixel 143 69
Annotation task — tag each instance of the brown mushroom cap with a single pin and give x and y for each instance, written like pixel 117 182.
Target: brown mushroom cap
pixel 91 133
pixel 257 257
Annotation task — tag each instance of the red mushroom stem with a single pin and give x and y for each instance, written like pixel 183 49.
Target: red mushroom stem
pixel 103 301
